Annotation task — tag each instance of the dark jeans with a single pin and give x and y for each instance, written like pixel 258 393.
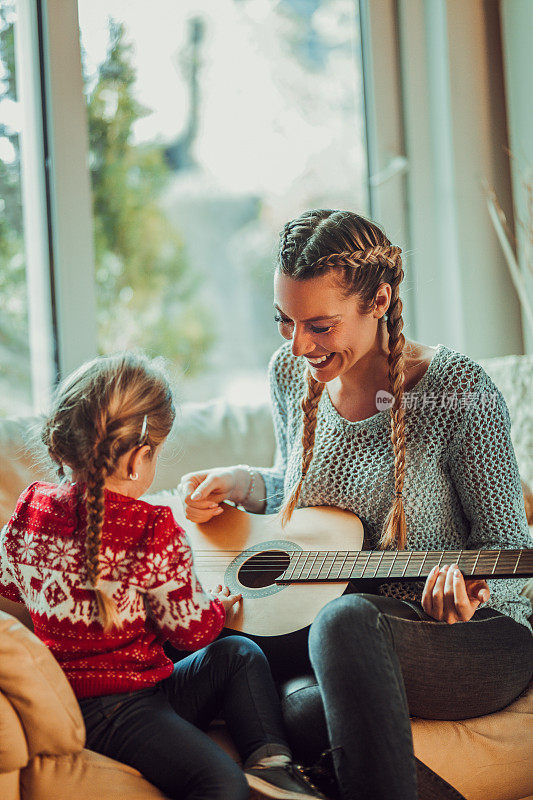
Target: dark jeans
pixel 378 660
pixel 159 730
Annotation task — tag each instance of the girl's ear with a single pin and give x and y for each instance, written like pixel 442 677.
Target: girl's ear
pixel 138 457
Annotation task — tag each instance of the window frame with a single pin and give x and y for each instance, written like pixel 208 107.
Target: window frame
pixel 35 203
pixel 69 178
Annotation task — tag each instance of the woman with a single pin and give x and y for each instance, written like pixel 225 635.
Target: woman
pixel 436 470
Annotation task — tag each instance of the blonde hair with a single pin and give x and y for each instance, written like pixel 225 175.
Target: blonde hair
pixel 97 415
pixel 358 252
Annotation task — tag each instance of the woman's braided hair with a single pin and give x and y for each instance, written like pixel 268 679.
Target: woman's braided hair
pixel 362 257
pixel 97 415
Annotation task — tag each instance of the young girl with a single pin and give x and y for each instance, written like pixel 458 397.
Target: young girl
pixel 107 578
pixel 435 471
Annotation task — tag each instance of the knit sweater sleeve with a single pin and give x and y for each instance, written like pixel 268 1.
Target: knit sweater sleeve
pixel 176 601
pixel 485 474
pixel 13 530
pixel 274 477
pixel 8 585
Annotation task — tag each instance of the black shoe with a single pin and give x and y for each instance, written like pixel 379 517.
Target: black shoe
pixel 286 782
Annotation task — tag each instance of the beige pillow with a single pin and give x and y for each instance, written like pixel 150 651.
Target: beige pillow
pixel 85 776
pixel 13 747
pixel 485 758
pixel 35 685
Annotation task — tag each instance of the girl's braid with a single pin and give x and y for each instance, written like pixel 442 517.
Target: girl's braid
pixel 95 514
pixel 310 410
pixel 99 466
pixel 48 436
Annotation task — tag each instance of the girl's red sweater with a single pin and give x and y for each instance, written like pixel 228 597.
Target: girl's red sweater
pixel 146 565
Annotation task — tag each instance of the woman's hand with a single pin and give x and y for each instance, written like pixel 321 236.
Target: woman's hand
pixel 448 597
pixel 202 492
pixel 223 594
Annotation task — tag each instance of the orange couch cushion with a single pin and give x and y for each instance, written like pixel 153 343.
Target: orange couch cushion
pixel 484 758
pixel 13 747
pixel 84 776
pixel 33 682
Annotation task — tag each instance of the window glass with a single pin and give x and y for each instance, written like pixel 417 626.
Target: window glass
pixel 210 125
pixel 15 367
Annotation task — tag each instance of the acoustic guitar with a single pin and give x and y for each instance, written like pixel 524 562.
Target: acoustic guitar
pixel 286 576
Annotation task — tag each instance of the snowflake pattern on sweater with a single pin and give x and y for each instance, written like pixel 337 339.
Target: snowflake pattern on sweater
pixel 146 566
pixel 462 486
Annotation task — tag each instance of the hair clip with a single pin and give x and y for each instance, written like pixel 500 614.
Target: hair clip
pixel 143 429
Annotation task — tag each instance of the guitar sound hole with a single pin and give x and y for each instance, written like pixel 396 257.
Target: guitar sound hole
pixel 262 569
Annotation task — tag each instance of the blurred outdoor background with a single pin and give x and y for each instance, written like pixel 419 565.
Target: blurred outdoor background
pixel 209 124
pixel 151 153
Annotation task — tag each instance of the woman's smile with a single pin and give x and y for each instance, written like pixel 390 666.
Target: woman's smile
pixel 319 362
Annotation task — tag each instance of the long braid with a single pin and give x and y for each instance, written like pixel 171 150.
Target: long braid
pixel 395 531
pixel 99 466
pixel 310 410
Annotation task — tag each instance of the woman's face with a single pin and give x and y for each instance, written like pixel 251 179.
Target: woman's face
pixel 324 326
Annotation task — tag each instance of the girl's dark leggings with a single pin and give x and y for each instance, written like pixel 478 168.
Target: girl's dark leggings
pixel 160 730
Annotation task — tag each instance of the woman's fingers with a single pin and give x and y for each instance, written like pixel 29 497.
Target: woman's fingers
pixel 437 595
pixel 448 597
pixel 449 611
pixel 208 505
pixel 427 604
pixel 209 486
pixel 187 486
pixel 203 492
pixel 477 589
pixel 191 484
pixel 463 606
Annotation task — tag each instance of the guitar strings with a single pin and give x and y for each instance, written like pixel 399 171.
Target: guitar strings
pixel 471 562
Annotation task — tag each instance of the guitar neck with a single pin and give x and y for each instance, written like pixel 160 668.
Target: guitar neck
pixel 346 565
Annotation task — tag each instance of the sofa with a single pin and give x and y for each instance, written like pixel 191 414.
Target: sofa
pixel 42 751
pixel 42 734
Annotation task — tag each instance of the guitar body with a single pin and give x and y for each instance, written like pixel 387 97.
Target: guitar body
pixel 224 548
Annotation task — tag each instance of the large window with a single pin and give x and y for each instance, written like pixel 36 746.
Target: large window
pixel 15 369
pixel 211 124
pixel 28 352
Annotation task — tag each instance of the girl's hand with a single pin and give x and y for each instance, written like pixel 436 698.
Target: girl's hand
pixel 448 597
pixel 202 492
pixel 227 599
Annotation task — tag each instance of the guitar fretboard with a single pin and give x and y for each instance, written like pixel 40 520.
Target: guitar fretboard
pixel 346 565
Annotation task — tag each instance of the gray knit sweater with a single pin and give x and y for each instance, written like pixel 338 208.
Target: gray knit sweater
pixel 462 487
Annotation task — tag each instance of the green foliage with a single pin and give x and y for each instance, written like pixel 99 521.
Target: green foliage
pixel 146 292
pixel 14 317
